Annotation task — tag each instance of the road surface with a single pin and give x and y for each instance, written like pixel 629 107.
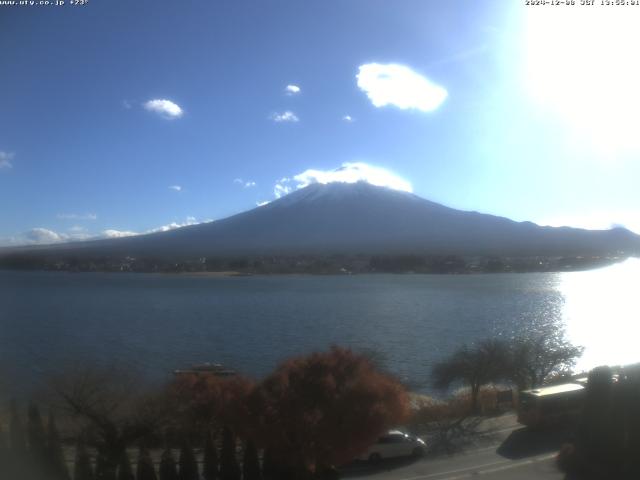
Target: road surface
pixel 502 451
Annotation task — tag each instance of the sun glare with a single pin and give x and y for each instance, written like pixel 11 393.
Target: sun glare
pixel 600 313
pixel 582 64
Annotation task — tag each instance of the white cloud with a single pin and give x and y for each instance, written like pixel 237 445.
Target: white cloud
pixel 287 116
pixel 77 236
pixel 176 188
pixel 348 119
pixel 77 216
pixel 398 85
pixel 37 236
pixel 352 173
pixel 245 184
pixel 111 233
pixel 280 190
pixel 292 89
pixel 282 187
pixel 260 204
pixel 45 236
pixel 349 172
pixel 174 225
pixel 165 108
pixel 5 160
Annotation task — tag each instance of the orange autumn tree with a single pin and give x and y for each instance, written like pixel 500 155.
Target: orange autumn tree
pixel 324 409
pixel 207 402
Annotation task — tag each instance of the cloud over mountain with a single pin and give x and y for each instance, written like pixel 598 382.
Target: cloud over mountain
pixel 348 172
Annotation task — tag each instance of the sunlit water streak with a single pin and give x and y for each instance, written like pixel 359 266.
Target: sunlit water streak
pixel 601 313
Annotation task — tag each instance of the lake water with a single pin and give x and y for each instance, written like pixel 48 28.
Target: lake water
pixel 155 323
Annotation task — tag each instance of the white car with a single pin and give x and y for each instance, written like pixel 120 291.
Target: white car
pixel 394 444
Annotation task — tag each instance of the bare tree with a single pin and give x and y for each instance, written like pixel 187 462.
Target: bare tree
pixel 473 366
pixel 111 410
pixel 534 359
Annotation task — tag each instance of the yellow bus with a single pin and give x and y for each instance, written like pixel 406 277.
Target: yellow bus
pixel 550 406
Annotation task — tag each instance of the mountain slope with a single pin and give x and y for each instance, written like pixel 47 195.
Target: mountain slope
pixel 361 218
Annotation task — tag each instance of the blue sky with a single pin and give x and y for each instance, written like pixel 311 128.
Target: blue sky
pixel 120 116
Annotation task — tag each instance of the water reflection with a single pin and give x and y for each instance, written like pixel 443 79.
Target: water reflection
pixel 601 313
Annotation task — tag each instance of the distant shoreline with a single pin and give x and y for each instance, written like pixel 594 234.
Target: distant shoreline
pixel 310 264
pixel 239 274
pixel 229 273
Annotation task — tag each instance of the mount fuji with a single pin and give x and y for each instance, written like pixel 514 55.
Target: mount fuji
pixel 357 218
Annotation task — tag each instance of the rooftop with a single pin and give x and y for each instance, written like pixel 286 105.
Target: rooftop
pixel 554 389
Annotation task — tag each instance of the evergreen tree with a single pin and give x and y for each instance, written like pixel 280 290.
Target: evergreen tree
pixel 18 464
pixel 16 432
pixel 168 469
pixel 632 394
pixel 145 470
pixel 269 470
pixel 229 469
pixel 329 473
pixel 36 437
pixel 4 456
pixel 596 431
pixel 124 468
pixel 107 463
pixel 250 462
pixel 272 469
pixel 82 469
pixel 210 468
pixel 102 468
pixel 55 455
pixel 188 464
